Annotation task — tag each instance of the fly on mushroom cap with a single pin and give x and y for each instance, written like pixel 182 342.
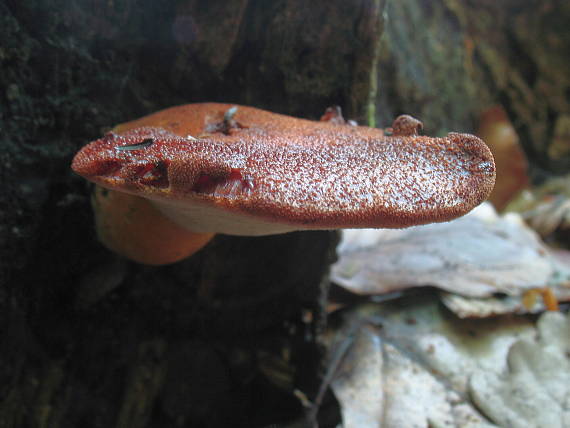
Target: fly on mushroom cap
pixel 258 173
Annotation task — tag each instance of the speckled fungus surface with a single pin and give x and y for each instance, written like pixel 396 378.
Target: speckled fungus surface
pixel 218 168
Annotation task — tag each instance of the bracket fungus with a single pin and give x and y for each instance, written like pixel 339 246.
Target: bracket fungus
pixel 213 168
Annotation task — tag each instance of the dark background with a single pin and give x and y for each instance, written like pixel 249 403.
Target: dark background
pixel 224 338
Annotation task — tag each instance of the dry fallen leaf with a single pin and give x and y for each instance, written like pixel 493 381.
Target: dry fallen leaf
pixel 477 255
pixel 358 384
pixel 546 207
pixel 473 307
pixel 535 389
pixel 481 307
pixel 411 363
pixel 550 215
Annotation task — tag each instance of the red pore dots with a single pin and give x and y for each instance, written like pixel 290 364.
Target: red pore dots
pixel 230 185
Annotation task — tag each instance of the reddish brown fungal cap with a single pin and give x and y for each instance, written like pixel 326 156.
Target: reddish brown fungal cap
pixel 258 173
pixel 406 125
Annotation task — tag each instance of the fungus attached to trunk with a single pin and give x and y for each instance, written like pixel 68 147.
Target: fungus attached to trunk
pixel 213 168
